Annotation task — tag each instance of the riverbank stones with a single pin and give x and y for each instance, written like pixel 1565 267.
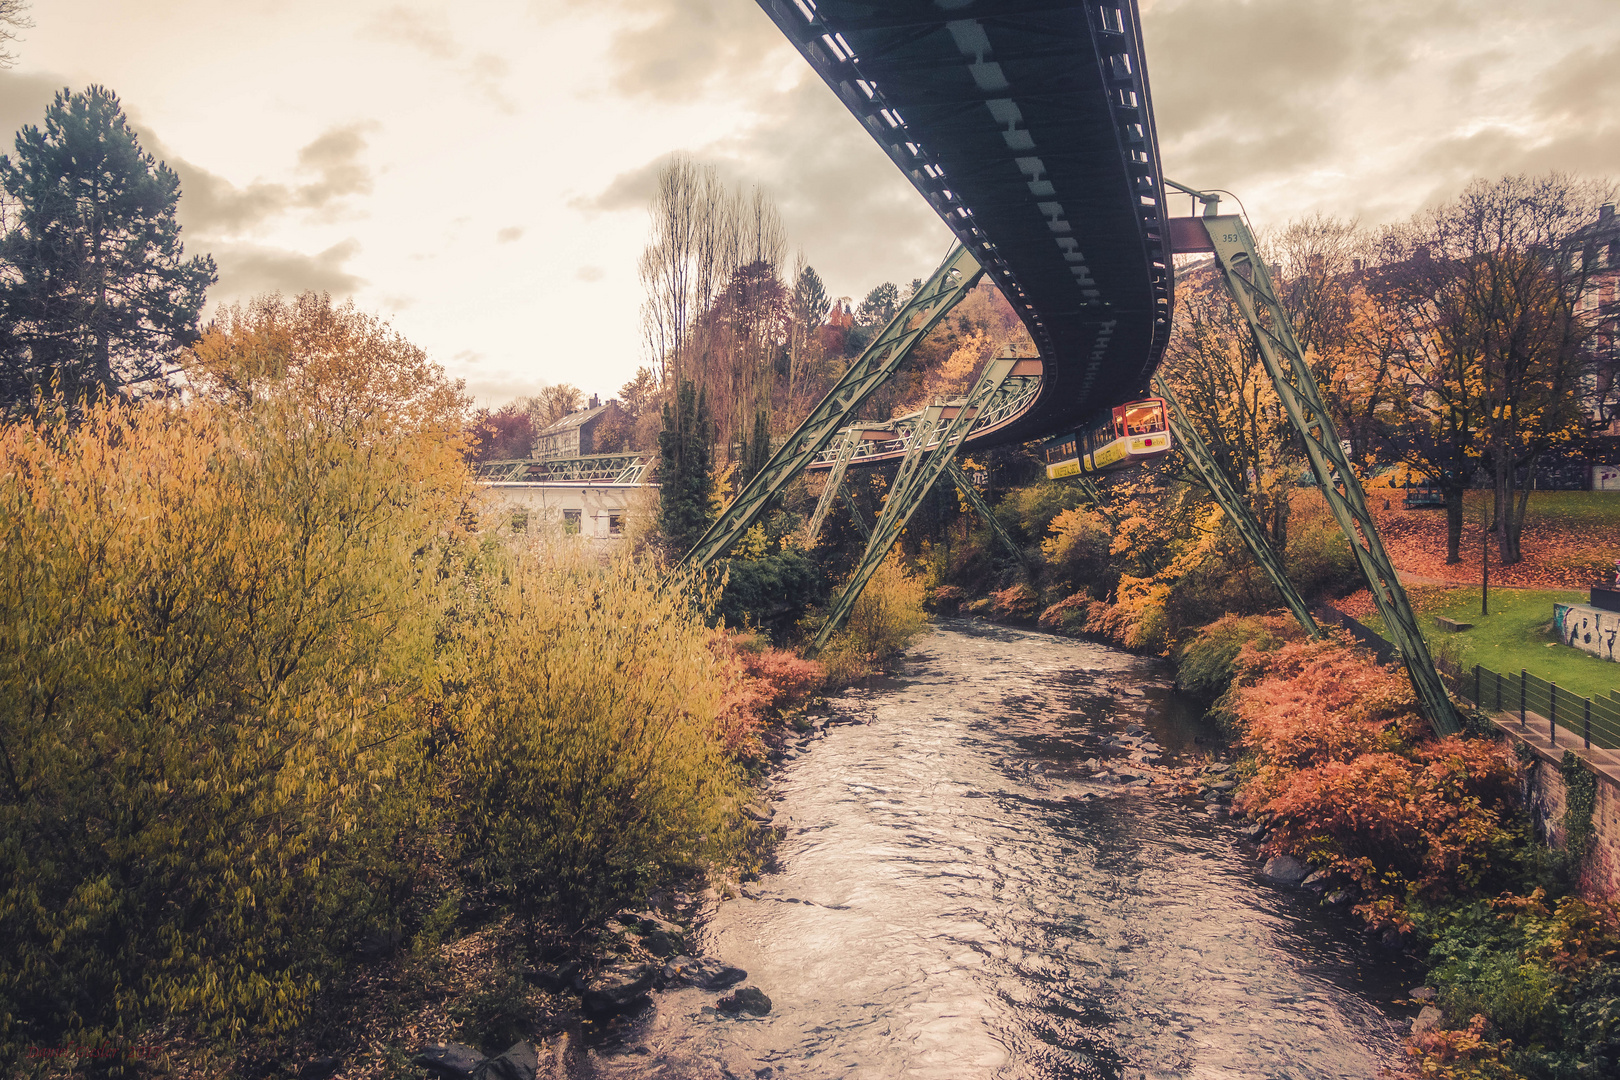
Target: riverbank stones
pixel 706 973
pixel 745 999
pixel 617 988
pixel 519 1062
pixel 1285 870
pixel 449 1061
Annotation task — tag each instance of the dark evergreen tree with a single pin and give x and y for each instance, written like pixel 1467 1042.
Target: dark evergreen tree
pixel 684 483
pixel 878 307
pixel 759 447
pixel 96 293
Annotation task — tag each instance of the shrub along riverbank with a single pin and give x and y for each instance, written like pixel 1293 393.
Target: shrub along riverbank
pixel 292 742
pixel 1424 841
pixel 1427 841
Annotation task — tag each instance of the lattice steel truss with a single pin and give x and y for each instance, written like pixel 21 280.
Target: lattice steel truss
pixel 596 469
pixel 935 441
pixel 1237 511
pixel 986 515
pixel 1250 286
pixel 875 366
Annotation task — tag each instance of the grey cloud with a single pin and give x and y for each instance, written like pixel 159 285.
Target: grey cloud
pixel 23 100
pixel 1584 87
pixel 430 34
pixel 843 200
pixel 678 49
pixel 212 205
pixel 335 158
pixel 1243 87
pixel 495 391
pixel 427 33
pixel 630 190
pixel 509 234
pixel 249 270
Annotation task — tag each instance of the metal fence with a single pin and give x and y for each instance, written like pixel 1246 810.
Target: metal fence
pixel 1568 716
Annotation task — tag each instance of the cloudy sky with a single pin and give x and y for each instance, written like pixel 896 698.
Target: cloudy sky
pixel 478 171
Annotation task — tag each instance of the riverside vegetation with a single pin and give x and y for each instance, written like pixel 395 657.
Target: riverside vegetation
pixel 278 700
pixel 1424 841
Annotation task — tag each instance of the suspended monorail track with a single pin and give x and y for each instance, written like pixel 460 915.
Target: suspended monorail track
pixel 1028 126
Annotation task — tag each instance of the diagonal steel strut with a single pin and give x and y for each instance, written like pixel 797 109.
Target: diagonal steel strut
pixel 935 441
pixel 1250 286
pixel 875 366
pixel 980 507
pixel 1237 511
pixel 849 439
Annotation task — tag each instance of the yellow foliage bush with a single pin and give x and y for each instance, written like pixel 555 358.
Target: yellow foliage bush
pixel 590 732
pixel 254 658
pixel 213 628
pixel 887 616
pixel 1136 619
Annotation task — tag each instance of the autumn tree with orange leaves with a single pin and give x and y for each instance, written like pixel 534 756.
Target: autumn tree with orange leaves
pixel 1482 304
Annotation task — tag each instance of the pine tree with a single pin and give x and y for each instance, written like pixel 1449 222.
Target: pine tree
pixel 684 483
pixel 759 447
pixel 96 292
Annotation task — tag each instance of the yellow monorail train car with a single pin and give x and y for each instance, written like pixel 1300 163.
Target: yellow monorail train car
pixel 1128 435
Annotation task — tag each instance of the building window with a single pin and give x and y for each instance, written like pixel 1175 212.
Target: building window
pixel 571 522
pixel 615 524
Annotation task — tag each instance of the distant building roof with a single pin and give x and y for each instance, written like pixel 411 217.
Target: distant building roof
pixel 573 420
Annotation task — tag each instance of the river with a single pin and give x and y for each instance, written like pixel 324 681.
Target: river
pixel 955 898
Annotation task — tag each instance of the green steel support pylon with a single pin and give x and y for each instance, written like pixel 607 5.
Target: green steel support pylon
pixel 980 507
pixel 1250 286
pixel 933 447
pixel 856 515
pixel 875 366
pixel 1089 486
pixel 1237 511
pixel 848 440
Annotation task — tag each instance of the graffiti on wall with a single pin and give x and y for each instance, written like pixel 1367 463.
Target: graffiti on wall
pixel 1588 629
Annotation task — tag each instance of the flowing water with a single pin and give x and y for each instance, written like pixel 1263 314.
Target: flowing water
pixel 955 898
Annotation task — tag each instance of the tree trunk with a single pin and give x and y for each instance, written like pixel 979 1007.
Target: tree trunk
pixel 1510 515
pixel 1454 522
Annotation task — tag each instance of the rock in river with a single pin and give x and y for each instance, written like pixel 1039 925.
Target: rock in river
pixel 520 1062
pixel 616 988
pixel 749 999
pixel 450 1061
pixel 1285 870
pixel 707 973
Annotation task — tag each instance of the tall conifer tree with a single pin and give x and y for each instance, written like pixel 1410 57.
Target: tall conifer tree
pixel 96 291
pixel 684 483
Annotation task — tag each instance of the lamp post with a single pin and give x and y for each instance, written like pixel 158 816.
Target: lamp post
pixel 1484 566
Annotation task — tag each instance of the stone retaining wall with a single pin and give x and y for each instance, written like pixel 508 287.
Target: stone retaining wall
pixel 1589 629
pixel 1541 781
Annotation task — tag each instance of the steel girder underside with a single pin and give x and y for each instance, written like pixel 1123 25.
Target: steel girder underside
pixel 1027 125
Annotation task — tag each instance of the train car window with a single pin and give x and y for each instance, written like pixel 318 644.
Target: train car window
pixel 1144 417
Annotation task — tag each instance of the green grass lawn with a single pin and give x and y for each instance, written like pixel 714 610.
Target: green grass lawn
pixel 1516 634
pixel 1595 510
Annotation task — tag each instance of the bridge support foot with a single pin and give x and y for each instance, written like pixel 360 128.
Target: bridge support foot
pixel 935 441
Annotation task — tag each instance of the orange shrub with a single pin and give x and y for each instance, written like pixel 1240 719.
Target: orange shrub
pixel 1017 602
pixel 759 682
pixel 1067 616
pixel 1346 773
